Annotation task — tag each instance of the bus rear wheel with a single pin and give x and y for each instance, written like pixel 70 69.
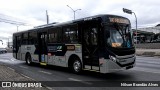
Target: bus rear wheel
pixel 76 66
pixel 28 59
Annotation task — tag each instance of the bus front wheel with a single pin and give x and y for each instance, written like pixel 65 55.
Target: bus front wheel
pixel 76 66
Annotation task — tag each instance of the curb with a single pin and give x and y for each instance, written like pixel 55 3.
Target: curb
pixel 147 53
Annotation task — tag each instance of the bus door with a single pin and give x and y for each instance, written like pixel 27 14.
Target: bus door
pixel 90 48
pixel 18 47
pixel 42 36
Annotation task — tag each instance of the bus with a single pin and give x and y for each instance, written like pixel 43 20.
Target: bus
pixel 100 43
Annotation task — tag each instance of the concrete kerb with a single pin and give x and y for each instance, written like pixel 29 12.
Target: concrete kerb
pixel 148 52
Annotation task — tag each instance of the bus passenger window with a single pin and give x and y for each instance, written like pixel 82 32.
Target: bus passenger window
pixel 70 34
pixel 52 36
pixel 66 37
pixel 24 38
pixel 73 35
pixel 86 37
pixel 32 38
pixel 94 36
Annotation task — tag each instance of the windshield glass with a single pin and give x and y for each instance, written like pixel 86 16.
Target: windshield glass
pixel 120 36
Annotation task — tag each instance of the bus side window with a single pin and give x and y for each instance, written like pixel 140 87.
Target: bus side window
pixel 94 36
pixel 53 35
pixel 86 37
pixel 73 33
pixel 18 40
pixel 70 34
pixel 59 35
pixel 32 38
pixel 25 38
pixel 66 37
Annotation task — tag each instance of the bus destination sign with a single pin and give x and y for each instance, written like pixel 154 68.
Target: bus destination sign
pixel 119 20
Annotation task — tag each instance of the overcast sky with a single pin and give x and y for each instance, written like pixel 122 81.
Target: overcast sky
pixel 33 12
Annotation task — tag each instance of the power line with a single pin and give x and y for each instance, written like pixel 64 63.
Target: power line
pixel 9 19
pixel 11 22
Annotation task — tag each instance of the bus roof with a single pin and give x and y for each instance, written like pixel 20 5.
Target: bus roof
pixel 69 22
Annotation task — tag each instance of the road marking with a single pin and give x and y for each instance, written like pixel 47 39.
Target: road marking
pixel 77 80
pixel 73 79
pixel 27 77
pixel 23 67
pixel 45 72
pixel 11 68
pixel 12 59
pixel 50 88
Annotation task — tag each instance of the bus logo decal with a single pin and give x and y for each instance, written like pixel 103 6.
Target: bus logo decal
pixel 59 48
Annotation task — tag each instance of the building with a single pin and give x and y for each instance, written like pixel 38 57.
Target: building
pixel 149 34
pixel 156 37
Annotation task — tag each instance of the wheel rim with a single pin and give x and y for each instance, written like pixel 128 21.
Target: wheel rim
pixel 28 60
pixel 77 66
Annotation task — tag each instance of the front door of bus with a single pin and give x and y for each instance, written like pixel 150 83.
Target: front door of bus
pixel 90 43
pixel 42 47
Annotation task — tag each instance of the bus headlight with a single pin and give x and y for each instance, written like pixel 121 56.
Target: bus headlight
pixel 112 58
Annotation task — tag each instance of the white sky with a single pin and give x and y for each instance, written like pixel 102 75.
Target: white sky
pixel 33 12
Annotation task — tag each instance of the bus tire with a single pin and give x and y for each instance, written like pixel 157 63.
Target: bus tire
pixel 76 66
pixel 28 59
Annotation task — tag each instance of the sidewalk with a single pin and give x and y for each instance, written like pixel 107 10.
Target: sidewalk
pixel 148 52
pixel 9 74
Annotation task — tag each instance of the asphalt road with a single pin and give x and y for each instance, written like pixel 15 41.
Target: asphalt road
pixel 147 69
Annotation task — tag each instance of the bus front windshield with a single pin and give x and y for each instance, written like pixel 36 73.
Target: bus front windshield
pixel 120 36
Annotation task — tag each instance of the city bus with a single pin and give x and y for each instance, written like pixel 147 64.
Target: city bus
pixel 100 43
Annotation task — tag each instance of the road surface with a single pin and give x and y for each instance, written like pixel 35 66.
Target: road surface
pixel 147 69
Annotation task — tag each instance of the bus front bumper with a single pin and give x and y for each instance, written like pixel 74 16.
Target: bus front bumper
pixel 110 65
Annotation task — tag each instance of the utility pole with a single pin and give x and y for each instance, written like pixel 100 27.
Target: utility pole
pixel 47 17
pixel 130 12
pixel 74 11
pixel 8 43
pixel 17 28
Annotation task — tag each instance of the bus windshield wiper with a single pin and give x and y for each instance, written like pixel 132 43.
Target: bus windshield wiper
pixel 119 30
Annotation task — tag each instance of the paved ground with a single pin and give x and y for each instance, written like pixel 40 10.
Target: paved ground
pixel 147 69
pixel 9 74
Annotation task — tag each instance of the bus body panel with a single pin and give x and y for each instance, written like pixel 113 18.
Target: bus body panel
pixel 14 55
pixel 50 59
pixel 63 60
